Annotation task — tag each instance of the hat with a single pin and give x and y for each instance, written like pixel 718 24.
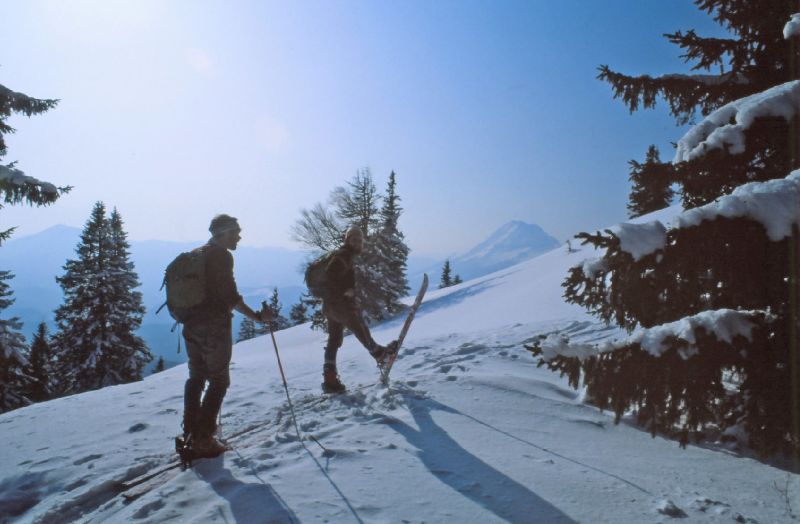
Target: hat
pixel 221 224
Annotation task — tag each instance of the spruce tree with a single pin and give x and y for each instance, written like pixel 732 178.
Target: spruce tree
pixel 392 250
pixel 40 366
pixel 95 341
pixel 722 279
pixel 446 280
pixel 357 205
pixel 160 365
pixel 15 383
pixel 247 330
pixel 278 321
pixel 457 280
pixel 15 186
pixel 298 314
pixel 126 312
pixel 651 184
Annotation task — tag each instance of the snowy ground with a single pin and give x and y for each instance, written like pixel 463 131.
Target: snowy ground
pixel 469 431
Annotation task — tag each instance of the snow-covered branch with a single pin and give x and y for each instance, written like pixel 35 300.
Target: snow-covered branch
pixel 716 131
pixel 792 27
pixel 724 324
pixel 775 204
pixel 15 177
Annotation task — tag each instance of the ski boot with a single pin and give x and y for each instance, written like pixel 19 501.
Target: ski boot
pixel 331 382
pixel 381 354
pixel 207 447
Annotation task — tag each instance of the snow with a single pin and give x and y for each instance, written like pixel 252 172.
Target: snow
pixel 775 204
pixel 16 177
pixel 717 132
pixel 724 324
pixel 470 430
pixel 792 27
pixel 640 239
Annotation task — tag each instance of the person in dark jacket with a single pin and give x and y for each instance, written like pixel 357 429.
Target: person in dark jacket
pixel 341 309
pixel 209 342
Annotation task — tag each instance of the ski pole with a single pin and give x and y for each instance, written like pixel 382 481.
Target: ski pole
pixel 285 384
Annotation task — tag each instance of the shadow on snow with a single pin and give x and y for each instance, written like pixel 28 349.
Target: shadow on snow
pixel 467 474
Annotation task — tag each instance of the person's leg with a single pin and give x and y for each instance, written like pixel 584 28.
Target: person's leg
pixel 217 350
pixel 198 375
pixel 335 337
pixel 330 375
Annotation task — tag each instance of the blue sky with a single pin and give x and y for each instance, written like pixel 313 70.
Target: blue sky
pixel 488 111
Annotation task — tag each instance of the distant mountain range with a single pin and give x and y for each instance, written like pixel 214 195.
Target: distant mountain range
pixel 37 259
pixel 510 244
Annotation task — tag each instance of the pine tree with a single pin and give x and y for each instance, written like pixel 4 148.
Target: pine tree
pixel 446 280
pixel 298 314
pixel 457 280
pixel 754 60
pixel 40 366
pixel 391 250
pixel 247 330
pixel 15 186
pixel 651 183
pixel 710 375
pixel 15 383
pixel 357 205
pixel 160 365
pixel 278 321
pixel 314 311
pixel 95 341
pixel 126 312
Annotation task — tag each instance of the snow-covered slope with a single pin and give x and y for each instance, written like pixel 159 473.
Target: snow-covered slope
pixel 469 431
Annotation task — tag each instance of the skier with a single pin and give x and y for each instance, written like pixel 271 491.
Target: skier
pixel 207 332
pixel 340 307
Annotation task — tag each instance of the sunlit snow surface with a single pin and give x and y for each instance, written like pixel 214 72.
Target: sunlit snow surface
pixel 469 431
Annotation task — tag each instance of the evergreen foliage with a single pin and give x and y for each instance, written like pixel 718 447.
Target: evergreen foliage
pixel 711 386
pixel 392 250
pixel 380 269
pixel 96 342
pixel 15 383
pixel 756 58
pixel 247 330
pixel 160 365
pixel 15 186
pixel 446 280
pixel 457 280
pixel 278 321
pixel 298 314
pixel 40 364
pixel 651 183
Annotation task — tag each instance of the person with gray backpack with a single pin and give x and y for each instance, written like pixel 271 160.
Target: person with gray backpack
pixel 202 295
pixel 332 278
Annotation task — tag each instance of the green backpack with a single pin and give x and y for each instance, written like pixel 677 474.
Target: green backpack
pixel 185 281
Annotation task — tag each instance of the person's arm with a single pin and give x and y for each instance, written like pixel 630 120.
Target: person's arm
pixel 262 316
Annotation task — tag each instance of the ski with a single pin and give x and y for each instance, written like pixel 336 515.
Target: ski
pixel 387 366
pixel 136 487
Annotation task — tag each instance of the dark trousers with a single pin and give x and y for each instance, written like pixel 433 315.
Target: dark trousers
pixel 209 346
pixel 344 314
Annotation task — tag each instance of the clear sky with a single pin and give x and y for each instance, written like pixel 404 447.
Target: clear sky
pixel 488 111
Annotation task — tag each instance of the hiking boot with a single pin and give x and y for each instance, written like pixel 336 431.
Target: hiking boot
pixel 207 447
pixel 382 353
pixel 331 382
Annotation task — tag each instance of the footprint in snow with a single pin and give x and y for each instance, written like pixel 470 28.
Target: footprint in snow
pixel 137 427
pixel 86 459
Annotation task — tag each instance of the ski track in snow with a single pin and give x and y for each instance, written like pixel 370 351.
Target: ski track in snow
pixel 469 430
